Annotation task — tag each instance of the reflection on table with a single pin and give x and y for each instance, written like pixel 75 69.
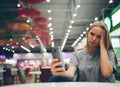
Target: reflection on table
pixel 68 84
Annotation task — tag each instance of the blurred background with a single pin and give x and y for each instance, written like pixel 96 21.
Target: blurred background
pixel 29 28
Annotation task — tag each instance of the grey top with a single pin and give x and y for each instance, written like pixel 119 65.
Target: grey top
pixel 88 66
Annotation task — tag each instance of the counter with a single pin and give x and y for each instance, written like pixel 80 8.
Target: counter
pixel 67 84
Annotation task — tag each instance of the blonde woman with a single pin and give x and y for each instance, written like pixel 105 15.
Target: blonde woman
pixel 94 63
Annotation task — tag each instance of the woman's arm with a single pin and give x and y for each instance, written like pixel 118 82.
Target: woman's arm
pixel 61 70
pixel 106 67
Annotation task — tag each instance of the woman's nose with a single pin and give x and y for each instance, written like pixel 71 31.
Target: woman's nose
pixel 94 38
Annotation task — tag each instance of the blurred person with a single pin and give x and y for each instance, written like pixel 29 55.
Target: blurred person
pixel 96 62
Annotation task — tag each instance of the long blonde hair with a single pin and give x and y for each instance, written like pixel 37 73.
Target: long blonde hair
pixel 107 40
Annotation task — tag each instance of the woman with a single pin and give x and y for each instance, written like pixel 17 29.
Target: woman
pixel 94 63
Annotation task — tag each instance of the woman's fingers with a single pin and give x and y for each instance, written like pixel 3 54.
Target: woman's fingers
pixel 54 67
pixel 57 71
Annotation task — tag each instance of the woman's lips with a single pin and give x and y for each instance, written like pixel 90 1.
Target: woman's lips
pixel 92 43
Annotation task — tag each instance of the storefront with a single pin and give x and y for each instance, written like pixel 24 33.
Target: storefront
pixel 113 23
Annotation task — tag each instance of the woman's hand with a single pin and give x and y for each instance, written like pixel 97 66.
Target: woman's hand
pixel 58 71
pixel 102 38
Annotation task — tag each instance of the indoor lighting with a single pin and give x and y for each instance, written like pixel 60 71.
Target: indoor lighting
pixel 68 31
pixel 96 18
pixel 74 15
pixel 11 39
pixel 51 32
pixel 72 21
pixel 50 24
pixel 18 5
pixel 78 6
pixel 31 45
pixel 87 28
pixel 70 26
pixel 63 44
pixel 8 44
pixel 50 18
pixel 110 1
pixel 25 49
pixel 52 37
pixel 51 29
pixel 52 44
pixel 49 11
pixel 28 21
pixel 47 0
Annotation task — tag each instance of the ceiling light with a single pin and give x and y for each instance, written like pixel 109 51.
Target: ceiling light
pixel 13 47
pixel 96 18
pixel 18 5
pixel 110 1
pixel 74 44
pixel 31 45
pixel 52 44
pixel 50 24
pixel 63 44
pixel 81 35
pixel 52 37
pixel 50 18
pixel 68 31
pixel 67 34
pixel 51 32
pixel 11 39
pixel 8 44
pixel 90 24
pixel 87 28
pixel 51 29
pixel 47 0
pixel 3 47
pixel 25 48
pixel 74 14
pixel 78 6
pixel 17 43
pixel 28 21
pixel 23 38
pixel 79 38
pixel 70 26
pixel 84 32
pixel 72 21
pixel 49 11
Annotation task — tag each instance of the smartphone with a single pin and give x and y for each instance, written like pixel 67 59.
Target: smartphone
pixel 56 53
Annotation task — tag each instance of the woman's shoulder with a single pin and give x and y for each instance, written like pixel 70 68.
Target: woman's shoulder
pixel 80 51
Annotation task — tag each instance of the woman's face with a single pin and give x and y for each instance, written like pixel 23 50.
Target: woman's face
pixel 94 36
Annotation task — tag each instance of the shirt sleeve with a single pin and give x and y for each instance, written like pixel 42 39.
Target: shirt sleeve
pixel 111 55
pixel 74 59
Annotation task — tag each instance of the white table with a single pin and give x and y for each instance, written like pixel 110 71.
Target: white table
pixel 35 72
pixel 36 75
pixel 67 84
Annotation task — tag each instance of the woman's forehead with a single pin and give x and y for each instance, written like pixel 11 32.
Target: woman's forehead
pixel 98 29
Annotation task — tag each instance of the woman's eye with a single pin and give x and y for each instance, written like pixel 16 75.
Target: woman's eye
pixel 98 37
pixel 91 33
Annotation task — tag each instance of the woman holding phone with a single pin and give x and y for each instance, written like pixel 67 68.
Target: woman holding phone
pixel 94 63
